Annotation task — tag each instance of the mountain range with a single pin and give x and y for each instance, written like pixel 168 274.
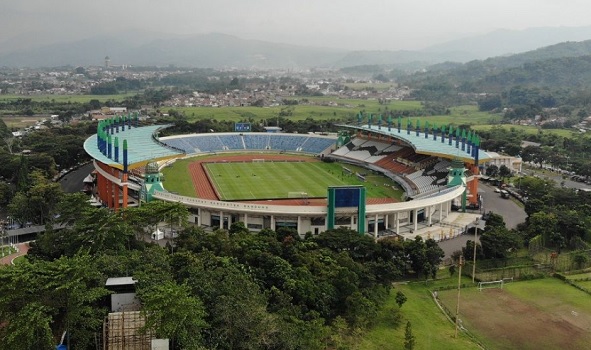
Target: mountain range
pixel 216 50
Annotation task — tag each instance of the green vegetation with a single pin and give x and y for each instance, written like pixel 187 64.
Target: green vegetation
pixel 295 113
pixel 430 326
pixel 345 110
pixel 529 130
pixel 6 250
pixel 369 86
pixel 517 315
pixel 177 178
pixel 273 180
pixel 19 122
pixel 66 98
pixel 235 181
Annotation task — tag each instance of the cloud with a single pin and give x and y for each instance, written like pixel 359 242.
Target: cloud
pixel 352 24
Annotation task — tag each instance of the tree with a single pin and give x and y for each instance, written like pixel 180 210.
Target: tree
pixel 36 203
pixel 492 170
pixel 409 338
pixel 504 172
pixel 580 259
pixel 498 241
pixel 174 313
pixel 42 299
pixel 400 298
pixel 434 255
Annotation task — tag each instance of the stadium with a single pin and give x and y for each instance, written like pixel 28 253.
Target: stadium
pixel 307 182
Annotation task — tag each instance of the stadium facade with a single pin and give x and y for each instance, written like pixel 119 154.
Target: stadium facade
pixel 421 160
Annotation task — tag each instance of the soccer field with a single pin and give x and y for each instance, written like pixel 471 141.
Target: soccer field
pixel 537 314
pixel 274 180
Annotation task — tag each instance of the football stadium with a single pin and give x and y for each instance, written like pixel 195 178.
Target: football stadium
pixel 377 178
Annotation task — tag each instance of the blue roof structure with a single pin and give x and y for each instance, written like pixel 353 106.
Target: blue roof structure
pixel 425 145
pixel 142 147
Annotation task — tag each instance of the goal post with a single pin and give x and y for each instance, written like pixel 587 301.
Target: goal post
pixel 299 195
pixel 491 284
pixel 258 160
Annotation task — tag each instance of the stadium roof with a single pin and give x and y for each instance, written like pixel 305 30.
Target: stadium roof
pixel 424 145
pixel 141 147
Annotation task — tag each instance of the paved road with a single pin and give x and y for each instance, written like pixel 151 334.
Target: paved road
pixel 507 208
pixel 512 213
pixel 72 182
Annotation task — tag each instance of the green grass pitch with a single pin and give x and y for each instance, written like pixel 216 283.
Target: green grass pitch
pixel 274 180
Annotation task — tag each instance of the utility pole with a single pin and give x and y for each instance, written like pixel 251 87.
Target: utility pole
pixel 461 263
pixel 474 254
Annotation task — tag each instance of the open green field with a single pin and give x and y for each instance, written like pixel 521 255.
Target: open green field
pixel 260 113
pixel 531 130
pixel 177 178
pixel 374 86
pixel 20 121
pixel 537 314
pixel 275 180
pixel 432 329
pixel 66 98
pixel 315 177
pixel 345 110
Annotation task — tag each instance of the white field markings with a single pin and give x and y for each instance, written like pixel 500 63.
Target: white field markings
pixel 214 175
pixel 332 176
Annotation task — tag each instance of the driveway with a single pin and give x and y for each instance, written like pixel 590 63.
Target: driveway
pixel 511 212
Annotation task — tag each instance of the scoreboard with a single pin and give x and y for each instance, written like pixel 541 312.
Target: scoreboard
pixel 241 127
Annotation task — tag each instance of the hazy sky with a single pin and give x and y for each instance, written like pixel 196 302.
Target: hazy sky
pixel 350 24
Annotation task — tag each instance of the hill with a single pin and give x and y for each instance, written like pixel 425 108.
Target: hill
pixel 215 50
pixel 561 65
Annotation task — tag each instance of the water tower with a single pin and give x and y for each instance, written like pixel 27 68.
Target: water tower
pixel 107 61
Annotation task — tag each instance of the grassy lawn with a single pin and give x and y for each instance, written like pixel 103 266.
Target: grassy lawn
pixel 365 86
pixel 67 98
pixel 531 130
pixel 20 260
pixel 274 180
pixel 261 113
pixel 20 121
pixel 346 109
pixel 538 314
pixel 6 250
pixel 430 326
pixel 579 276
pixel 177 178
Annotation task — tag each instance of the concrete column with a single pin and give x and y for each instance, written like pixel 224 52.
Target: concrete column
pixel 299 225
pixel 246 220
pixel 415 215
pixel 272 223
pixel 440 212
pixel 386 221
pixel 397 223
pixel 124 190
pixel 221 219
pixel 375 227
pixel 116 196
pixel 429 210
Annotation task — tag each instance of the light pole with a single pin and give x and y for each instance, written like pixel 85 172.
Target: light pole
pixel 461 263
pixel 474 254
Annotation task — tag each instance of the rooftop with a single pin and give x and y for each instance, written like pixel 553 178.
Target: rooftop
pixel 141 147
pixel 424 145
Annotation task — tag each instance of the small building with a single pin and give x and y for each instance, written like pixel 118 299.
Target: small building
pixel 274 129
